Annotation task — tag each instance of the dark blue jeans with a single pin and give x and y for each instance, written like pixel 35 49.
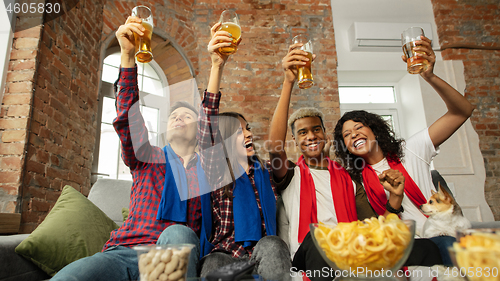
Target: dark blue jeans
pixel 120 263
pixel 443 243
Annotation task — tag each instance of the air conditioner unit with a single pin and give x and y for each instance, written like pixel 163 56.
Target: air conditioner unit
pixel 377 36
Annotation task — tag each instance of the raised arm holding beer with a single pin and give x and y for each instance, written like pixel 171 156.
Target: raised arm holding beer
pixel 244 209
pixel 125 35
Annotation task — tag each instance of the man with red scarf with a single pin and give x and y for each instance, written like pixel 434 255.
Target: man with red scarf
pixel 315 189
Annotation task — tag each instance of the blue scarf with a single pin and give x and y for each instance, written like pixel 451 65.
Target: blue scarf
pixel 173 209
pixel 247 220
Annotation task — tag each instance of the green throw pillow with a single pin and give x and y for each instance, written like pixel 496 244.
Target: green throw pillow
pixel 73 229
pixel 125 214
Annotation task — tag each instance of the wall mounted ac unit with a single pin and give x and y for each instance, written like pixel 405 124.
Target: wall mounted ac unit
pixel 377 36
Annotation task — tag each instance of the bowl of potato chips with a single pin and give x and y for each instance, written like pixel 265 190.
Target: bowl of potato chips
pixel 476 254
pixel 367 247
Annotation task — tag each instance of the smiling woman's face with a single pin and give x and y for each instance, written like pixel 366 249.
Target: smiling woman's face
pixel 359 139
pixel 244 140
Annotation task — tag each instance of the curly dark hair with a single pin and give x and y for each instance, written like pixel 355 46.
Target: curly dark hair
pixel 391 146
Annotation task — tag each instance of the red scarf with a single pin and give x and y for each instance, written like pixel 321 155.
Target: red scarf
pixel 376 192
pixel 342 194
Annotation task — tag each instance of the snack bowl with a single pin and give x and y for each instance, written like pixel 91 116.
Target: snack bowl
pixel 367 248
pixel 163 262
pixel 477 231
pixel 476 254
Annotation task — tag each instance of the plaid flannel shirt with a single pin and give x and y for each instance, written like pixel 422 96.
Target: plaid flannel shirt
pixel 148 173
pixel 213 163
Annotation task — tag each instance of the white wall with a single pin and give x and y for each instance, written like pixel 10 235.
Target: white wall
pixel 5 44
pixel 346 12
pixel 412 105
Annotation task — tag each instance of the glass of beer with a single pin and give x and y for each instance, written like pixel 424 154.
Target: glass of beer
pixel 304 71
pixel 143 51
pixel 230 23
pixel 415 64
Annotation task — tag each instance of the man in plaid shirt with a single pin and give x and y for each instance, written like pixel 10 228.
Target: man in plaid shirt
pixel 118 261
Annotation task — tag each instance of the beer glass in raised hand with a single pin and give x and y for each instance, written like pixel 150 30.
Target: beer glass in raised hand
pixel 415 64
pixel 143 51
pixel 230 23
pixel 304 75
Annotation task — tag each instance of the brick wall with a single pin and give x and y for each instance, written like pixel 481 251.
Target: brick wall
pixel 15 113
pixel 253 76
pixel 48 117
pixel 53 116
pixel 469 30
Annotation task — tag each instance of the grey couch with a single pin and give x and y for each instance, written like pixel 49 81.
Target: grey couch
pixel 109 195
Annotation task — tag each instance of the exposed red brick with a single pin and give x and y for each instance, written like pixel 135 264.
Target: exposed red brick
pixel 26 43
pixel 14 136
pixel 11 148
pixel 457 23
pixel 10 176
pixel 11 163
pixel 19 110
pixel 20 87
pixel 17 123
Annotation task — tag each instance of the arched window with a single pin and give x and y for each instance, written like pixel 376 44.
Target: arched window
pixel 154 99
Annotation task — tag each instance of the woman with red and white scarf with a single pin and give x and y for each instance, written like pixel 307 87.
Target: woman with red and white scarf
pixel 368 147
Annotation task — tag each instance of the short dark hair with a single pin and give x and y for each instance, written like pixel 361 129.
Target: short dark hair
pixel 185 104
pixel 303 113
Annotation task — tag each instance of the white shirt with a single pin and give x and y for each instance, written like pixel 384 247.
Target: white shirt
pixel 419 152
pixel 291 201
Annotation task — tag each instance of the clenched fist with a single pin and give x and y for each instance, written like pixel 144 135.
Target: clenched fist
pixel 393 181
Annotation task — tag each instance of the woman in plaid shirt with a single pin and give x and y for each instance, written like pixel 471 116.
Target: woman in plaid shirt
pixel 244 206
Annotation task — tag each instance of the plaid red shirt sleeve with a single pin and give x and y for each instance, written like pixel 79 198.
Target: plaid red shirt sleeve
pixel 147 165
pixel 211 152
pixel 130 126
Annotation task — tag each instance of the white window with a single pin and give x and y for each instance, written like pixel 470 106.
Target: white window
pixel 154 100
pixel 7 20
pixel 379 99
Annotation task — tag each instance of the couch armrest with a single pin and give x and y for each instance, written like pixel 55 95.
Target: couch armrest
pixel 14 266
pixel 111 196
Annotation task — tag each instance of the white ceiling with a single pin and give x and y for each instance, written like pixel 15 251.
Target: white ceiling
pixel 355 65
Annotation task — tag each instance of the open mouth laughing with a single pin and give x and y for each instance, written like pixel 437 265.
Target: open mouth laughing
pixel 249 145
pixel 359 143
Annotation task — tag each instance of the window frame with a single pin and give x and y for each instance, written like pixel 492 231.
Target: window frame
pixel 393 109
pixel 145 99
